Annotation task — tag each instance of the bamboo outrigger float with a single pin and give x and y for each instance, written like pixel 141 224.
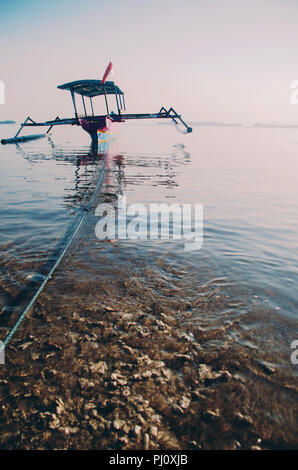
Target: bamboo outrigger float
pixel 91 123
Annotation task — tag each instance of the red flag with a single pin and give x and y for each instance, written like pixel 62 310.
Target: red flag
pixel 107 72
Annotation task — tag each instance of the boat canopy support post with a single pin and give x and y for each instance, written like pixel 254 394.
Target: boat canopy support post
pixel 120 99
pixel 92 106
pixel 74 103
pixel 84 105
pixel 117 101
pixel 106 100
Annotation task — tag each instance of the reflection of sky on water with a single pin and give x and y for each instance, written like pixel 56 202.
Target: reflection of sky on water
pixel 245 178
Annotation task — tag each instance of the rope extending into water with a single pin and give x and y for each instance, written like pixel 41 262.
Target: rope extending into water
pixel 15 327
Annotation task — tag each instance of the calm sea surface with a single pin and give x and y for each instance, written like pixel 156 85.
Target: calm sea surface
pixel 246 180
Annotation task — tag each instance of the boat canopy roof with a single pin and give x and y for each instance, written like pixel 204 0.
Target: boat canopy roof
pixel 91 88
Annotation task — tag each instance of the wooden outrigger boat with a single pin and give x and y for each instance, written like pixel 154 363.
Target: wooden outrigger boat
pixel 96 126
pixel 89 122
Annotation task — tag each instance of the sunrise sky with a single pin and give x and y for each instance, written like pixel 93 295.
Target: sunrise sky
pixel 220 60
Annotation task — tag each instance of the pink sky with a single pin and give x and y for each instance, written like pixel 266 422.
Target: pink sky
pixel 230 61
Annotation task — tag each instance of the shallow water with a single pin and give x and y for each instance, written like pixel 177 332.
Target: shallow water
pixel 245 178
pixel 237 293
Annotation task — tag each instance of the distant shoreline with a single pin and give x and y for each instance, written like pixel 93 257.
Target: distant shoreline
pixel 276 126
pixel 257 125
pixel 216 124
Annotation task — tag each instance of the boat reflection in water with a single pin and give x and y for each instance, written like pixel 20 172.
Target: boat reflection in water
pixel 25 271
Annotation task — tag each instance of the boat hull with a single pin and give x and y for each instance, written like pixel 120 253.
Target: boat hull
pixel 101 130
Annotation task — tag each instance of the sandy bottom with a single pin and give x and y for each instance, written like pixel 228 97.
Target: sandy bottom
pixel 111 358
pixel 104 361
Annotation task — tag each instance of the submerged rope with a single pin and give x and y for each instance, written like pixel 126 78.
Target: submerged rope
pixel 12 331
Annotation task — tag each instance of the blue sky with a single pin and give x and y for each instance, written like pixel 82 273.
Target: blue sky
pixel 224 60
